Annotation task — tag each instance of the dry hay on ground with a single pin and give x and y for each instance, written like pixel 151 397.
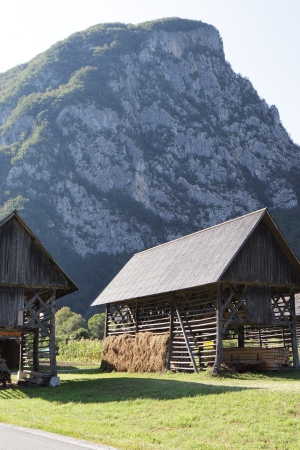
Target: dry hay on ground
pixel 146 352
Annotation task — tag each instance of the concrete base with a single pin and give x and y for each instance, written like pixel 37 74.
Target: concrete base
pixel 54 381
pixel 21 375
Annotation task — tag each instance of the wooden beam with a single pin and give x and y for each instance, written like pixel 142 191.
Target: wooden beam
pixel 233 293
pixel 106 320
pixel 35 356
pixel 241 336
pixel 185 338
pixel 136 316
pixel 294 333
pixel 219 337
pixel 53 367
pixel 236 307
pixel 171 328
pixel 11 333
pixel 21 363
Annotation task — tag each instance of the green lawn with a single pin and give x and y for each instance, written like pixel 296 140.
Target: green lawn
pixel 171 411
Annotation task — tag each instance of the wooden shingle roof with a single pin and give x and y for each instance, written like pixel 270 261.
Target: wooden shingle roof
pixel 193 260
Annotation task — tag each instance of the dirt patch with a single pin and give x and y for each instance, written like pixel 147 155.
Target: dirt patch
pixel 146 352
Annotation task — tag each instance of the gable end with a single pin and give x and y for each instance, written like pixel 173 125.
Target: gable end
pixel 262 260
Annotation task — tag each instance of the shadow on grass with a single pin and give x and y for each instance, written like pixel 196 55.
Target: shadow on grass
pixel 110 389
pixel 284 374
pixel 71 368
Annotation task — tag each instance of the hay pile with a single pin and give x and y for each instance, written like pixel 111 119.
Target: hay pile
pixel 146 352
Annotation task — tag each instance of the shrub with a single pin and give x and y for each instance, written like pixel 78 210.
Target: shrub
pixel 96 325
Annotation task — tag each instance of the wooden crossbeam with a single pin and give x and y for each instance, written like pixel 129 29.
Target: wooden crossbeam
pixel 279 310
pixel 234 312
pixel 185 338
pixel 287 305
pixel 233 293
pixel 32 300
pixel 34 314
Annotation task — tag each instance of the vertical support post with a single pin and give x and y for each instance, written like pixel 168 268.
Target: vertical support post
pixel 241 337
pixel 53 368
pixel 107 309
pixel 136 316
pixel 294 333
pixel 21 362
pixel 283 336
pixel 259 334
pixel 219 337
pixel 35 356
pixel 171 327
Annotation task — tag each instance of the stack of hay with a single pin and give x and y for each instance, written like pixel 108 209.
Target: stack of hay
pixel 146 352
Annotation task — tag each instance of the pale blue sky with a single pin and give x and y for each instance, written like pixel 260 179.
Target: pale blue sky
pixel 261 37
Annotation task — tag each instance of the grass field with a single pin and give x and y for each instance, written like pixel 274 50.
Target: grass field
pixel 170 411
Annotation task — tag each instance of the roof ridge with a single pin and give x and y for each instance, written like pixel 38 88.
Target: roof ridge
pixel 202 231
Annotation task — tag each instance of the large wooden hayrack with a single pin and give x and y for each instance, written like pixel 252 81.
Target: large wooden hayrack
pixel 233 283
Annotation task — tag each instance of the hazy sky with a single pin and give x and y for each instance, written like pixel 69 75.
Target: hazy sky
pixel 261 37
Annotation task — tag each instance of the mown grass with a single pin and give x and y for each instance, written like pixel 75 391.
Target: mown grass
pixel 170 411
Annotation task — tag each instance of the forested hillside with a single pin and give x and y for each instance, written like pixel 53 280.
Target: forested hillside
pixel 122 137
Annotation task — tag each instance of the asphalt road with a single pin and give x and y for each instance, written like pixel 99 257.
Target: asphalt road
pixel 15 438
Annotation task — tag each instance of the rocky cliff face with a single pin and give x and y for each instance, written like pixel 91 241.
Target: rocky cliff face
pixel 123 137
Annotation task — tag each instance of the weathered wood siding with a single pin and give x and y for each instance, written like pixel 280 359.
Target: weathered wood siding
pixel 261 260
pixel 11 301
pixel 258 303
pixel 22 260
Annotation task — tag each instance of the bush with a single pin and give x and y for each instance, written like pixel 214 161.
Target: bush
pixel 80 333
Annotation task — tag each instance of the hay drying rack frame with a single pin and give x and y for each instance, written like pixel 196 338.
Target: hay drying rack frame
pixel 249 298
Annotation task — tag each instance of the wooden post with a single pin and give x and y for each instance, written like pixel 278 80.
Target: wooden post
pixel 219 337
pixel 294 333
pixel 241 336
pixel 259 333
pixel 53 368
pixel 35 348
pixel 21 362
pixel 171 327
pixel 136 316
pixel 106 320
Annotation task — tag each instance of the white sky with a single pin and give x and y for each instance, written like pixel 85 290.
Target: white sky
pixel 261 37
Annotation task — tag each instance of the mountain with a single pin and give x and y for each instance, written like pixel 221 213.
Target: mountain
pixel 122 137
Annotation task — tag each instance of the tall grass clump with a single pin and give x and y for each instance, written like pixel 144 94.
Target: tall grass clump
pixel 83 351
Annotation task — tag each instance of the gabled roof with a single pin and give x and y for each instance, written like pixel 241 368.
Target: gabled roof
pixel 194 260
pixel 43 266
